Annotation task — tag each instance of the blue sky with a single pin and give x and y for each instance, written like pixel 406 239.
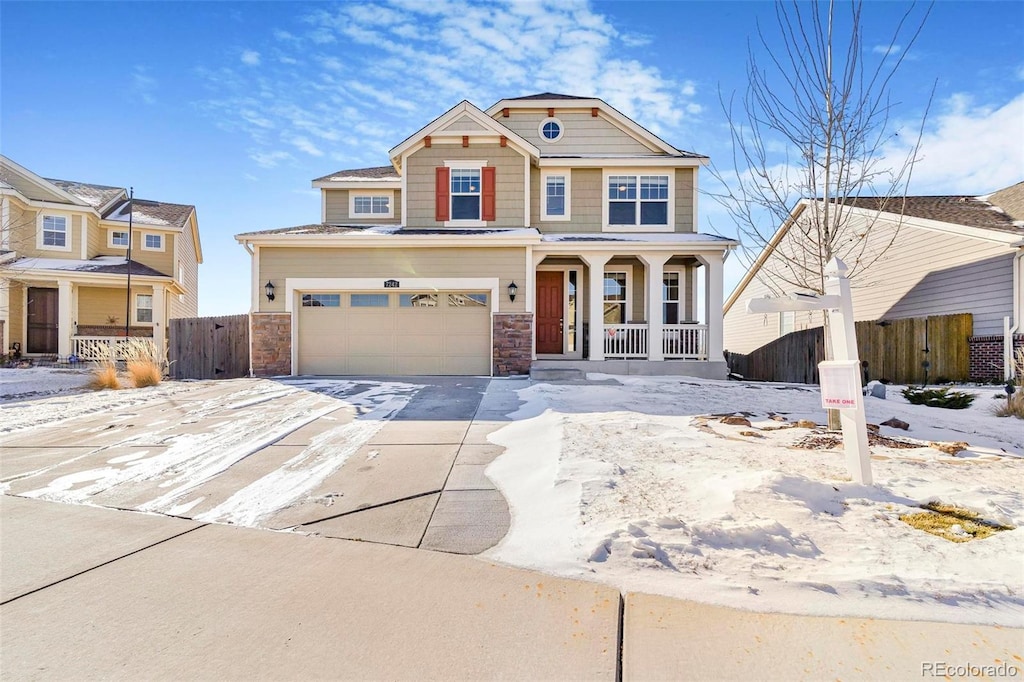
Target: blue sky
pixel 236 107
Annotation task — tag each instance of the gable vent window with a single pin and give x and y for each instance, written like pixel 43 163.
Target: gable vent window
pixel 551 130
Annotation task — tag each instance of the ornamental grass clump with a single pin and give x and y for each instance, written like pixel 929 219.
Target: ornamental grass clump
pixel 143 361
pixel 104 373
pixel 1014 405
pixel 938 397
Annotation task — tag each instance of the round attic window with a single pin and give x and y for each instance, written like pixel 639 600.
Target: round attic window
pixel 550 130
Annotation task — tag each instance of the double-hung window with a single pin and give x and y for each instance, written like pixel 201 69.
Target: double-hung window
pixel 55 231
pixel 153 242
pixel 118 238
pixel 614 298
pixel 638 200
pixel 465 193
pixel 143 308
pixel 555 196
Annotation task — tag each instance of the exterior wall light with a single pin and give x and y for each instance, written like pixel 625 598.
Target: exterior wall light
pixel 269 288
pixel 513 289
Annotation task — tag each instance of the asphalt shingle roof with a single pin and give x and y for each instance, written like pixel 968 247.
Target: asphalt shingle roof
pixel 959 210
pixel 548 95
pixel 374 173
pixel 148 212
pixel 94 195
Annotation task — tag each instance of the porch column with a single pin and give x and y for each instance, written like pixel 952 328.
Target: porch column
pixel 533 259
pixel 713 301
pixel 64 312
pixel 159 318
pixel 655 263
pixel 596 262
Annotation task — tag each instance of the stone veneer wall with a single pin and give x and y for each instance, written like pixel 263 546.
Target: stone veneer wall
pixel 513 343
pixel 271 344
pixel 987 356
pixel 111 330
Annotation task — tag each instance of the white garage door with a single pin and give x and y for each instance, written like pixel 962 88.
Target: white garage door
pixel 345 333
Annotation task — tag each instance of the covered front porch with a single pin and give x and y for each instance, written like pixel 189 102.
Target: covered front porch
pixel 629 304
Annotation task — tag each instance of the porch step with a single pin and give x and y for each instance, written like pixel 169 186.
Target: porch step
pixel 557 374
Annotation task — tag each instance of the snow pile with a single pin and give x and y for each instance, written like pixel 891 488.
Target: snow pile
pixel 624 484
pixel 36 382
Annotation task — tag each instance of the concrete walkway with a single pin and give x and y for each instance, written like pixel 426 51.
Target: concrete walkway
pixel 90 593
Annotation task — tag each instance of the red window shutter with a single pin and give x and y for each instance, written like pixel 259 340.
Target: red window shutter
pixel 488 194
pixel 441 194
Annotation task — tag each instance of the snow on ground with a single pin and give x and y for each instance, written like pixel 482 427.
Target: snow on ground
pixel 36 382
pixel 621 483
pixel 215 426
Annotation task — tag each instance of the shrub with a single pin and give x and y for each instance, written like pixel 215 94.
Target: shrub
pixel 145 366
pixel 104 376
pixel 938 397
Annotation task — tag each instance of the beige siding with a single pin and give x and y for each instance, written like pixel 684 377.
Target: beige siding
pixel 507 264
pixel 337 200
pixel 509 178
pixel 25 231
pixel 97 304
pixel 684 200
pixel 584 201
pixel 188 304
pixel 97 238
pixel 464 123
pixel 582 133
pixel 16 316
pixel 924 273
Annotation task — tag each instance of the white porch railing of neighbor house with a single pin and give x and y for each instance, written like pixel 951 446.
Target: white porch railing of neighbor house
pixel 87 348
pixel 685 341
pixel 679 341
pixel 625 340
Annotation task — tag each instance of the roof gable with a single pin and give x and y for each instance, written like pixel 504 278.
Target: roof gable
pixel 33 186
pixel 463 111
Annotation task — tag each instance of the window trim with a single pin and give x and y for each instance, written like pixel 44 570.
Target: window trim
pixel 679 301
pixel 614 269
pixel 544 175
pixel 637 172
pixel 465 165
pixel 545 121
pixel 40 220
pixel 371 193
pixel 136 308
pixel 144 247
pixel 110 238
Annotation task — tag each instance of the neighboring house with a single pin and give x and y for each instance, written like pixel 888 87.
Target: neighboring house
pixel 548 230
pixel 951 254
pixel 64 268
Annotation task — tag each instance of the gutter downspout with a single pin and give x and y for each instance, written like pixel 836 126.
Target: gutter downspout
pixel 1008 330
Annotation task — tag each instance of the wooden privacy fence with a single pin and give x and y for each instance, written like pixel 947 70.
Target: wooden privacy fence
pixel 895 351
pixel 209 347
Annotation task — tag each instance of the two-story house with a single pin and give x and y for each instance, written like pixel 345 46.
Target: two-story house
pixel 548 231
pixel 64 268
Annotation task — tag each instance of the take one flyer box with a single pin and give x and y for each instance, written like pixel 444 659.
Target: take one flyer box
pixel 840 384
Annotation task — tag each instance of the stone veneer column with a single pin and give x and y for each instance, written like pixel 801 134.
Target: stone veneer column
pixel 271 344
pixel 513 343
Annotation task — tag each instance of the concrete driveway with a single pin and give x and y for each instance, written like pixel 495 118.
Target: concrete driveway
pixel 395 461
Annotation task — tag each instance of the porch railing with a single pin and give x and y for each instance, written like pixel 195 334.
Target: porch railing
pixel 88 348
pixel 625 340
pixel 679 341
pixel 685 341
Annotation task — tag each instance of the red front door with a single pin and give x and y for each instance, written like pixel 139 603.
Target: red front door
pixel 550 309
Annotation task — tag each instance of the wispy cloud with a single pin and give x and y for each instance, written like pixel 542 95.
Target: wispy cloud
pixel 143 85
pixel 967 147
pixel 352 80
pixel 887 49
pixel 250 57
pixel 269 159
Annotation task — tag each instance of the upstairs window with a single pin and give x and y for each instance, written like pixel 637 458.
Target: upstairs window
pixel 55 231
pixel 555 196
pixel 465 193
pixel 118 238
pixel 550 130
pixel 638 200
pixel 371 205
pixel 153 242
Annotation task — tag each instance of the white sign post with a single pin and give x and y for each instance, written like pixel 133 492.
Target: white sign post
pixel 840 378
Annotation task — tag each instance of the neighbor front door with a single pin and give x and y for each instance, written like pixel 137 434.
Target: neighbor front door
pixel 550 311
pixel 42 321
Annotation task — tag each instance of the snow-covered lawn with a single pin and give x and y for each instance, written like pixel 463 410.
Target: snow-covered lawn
pixel 38 382
pixel 625 484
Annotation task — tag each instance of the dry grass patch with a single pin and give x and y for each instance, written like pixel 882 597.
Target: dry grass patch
pixel 104 377
pixel 952 523
pixel 145 366
pixel 144 373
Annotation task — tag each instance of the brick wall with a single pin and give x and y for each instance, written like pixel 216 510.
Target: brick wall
pixel 987 356
pixel 271 344
pixel 513 343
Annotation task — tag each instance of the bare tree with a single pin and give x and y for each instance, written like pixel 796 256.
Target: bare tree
pixel 814 125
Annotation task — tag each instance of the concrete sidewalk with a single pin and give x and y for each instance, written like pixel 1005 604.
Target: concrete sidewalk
pixel 90 593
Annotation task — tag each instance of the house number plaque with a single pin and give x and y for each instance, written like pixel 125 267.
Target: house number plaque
pixel 391 284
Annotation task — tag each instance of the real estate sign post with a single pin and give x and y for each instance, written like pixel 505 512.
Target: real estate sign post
pixel 840 377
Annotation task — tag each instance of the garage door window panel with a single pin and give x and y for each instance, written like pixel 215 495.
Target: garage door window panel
pixel 417 300
pixel 369 300
pixel 321 300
